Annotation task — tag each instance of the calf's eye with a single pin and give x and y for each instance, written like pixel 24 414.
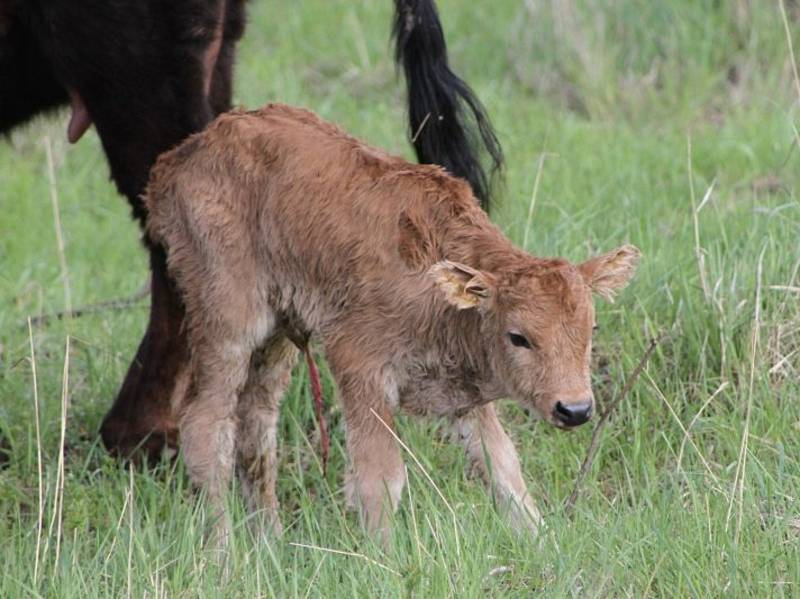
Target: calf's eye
pixel 518 340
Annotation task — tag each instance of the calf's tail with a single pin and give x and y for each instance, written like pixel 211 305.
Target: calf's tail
pixel 447 123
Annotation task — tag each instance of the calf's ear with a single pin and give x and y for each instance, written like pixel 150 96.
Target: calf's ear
pixel 608 273
pixel 462 286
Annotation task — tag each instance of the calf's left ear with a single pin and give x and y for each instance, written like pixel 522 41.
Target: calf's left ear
pixel 463 286
pixel 608 273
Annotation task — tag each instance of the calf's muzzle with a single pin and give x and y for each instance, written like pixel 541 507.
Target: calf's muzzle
pixel 573 413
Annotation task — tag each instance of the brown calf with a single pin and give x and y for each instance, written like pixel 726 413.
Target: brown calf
pixel 281 228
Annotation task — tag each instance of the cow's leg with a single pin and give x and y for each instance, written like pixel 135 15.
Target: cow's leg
pixel 257 443
pixel 174 106
pixel 492 454
pixel 144 96
pixel 222 75
pixel 208 421
pixel 376 476
pixel 141 412
pixel 142 415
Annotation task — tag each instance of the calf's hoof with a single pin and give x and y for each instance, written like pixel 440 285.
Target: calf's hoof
pixel 526 520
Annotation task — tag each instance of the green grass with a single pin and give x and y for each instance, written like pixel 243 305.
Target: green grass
pixel 613 93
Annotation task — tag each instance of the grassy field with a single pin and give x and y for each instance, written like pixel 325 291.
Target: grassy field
pixel 672 126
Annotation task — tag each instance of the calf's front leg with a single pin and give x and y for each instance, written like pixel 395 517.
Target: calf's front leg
pixel 377 475
pixel 492 454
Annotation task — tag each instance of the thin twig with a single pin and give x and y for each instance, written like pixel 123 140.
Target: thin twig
pixel 126 303
pixel 419 129
pixel 594 444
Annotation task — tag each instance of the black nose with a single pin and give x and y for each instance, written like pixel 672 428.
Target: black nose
pixel 573 414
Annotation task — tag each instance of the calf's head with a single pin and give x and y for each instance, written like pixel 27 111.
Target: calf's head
pixel 537 320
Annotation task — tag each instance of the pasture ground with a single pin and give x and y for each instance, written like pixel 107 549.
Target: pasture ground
pixel 669 125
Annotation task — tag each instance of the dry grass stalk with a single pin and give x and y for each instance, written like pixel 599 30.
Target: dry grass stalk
pixel 724 385
pixel 737 491
pixel 347 553
pixel 699 253
pixel 51 174
pixel 314 577
pixel 130 533
pixel 40 510
pixel 417 542
pixel 122 513
pixel 788 31
pixel 427 476
pixel 532 205
pixel 59 499
pixel 685 432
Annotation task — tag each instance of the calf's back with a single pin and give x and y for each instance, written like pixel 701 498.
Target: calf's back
pixel 280 190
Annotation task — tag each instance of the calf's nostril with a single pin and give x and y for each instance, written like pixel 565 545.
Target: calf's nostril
pixel 562 411
pixel 573 414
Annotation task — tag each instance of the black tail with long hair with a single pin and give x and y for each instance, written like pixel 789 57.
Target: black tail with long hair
pixel 448 124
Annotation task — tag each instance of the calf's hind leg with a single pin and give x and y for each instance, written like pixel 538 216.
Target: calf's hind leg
pixel 208 421
pixel 256 443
